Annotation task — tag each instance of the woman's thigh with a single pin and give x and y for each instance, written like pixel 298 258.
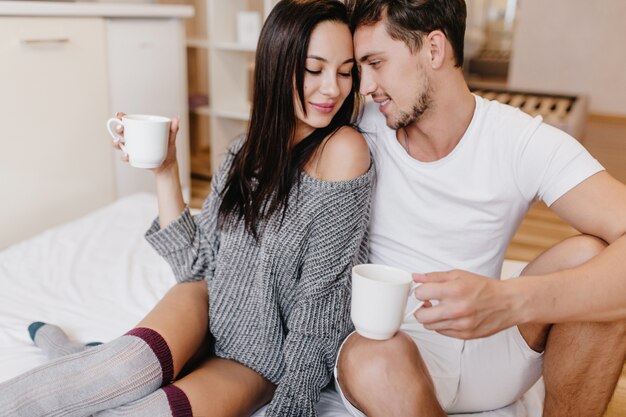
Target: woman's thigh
pixel 223 387
pixel 181 317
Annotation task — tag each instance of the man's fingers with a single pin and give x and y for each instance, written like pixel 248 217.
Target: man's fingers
pixel 441 325
pixel 457 334
pixel 460 327
pixel 432 277
pixel 432 315
pixel 434 291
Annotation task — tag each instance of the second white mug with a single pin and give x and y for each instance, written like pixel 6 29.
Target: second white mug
pixel 379 298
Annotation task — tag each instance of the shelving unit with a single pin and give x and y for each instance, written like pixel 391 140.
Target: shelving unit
pixel 218 82
pixel 230 64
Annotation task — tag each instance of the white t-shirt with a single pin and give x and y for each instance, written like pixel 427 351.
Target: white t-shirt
pixel 461 211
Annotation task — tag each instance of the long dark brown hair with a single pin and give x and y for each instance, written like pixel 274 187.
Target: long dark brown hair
pixel 268 165
pixel 410 20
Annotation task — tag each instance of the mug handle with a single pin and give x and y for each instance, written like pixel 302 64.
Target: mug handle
pixel 117 138
pixel 419 304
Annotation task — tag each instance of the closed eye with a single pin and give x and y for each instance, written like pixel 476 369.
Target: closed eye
pixel 313 72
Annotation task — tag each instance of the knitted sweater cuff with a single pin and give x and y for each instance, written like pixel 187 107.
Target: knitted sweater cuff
pixel 291 401
pixel 177 235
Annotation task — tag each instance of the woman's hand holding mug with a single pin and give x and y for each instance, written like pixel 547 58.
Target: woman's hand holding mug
pixel 147 141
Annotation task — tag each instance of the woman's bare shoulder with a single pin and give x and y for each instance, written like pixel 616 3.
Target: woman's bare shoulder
pixel 344 156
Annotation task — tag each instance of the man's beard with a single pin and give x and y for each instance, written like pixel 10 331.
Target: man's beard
pixel 420 107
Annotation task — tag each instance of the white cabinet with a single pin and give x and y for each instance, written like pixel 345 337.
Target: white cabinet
pixel 53 104
pixel 147 73
pixel 229 66
pixel 64 70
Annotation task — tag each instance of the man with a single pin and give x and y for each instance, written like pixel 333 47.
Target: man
pixel 456 174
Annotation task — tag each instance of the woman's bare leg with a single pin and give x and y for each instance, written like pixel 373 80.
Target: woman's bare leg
pixel 222 387
pixel 122 371
pixel 181 317
pixel 216 386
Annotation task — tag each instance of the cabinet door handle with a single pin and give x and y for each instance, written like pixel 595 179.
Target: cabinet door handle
pixel 51 41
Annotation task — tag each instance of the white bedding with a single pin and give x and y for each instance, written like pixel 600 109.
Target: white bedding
pixel 97 277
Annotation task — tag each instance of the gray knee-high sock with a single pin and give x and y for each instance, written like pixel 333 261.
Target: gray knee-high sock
pixel 53 341
pixel 106 376
pixel 170 401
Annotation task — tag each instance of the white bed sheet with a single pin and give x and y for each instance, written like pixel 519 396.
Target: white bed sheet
pixel 97 277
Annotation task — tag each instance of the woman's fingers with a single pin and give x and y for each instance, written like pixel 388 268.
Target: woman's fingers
pixel 119 129
pixel 174 130
pixel 116 143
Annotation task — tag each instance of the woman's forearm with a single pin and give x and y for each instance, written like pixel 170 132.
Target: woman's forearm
pixel 169 195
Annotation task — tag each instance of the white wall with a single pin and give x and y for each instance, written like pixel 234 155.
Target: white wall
pixel 572 46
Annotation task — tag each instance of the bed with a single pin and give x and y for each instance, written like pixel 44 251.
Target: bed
pixel 96 277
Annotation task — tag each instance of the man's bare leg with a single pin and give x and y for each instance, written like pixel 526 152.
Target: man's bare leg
pixel 387 378
pixel 582 361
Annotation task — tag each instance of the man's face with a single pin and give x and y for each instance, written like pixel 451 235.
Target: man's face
pixel 394 76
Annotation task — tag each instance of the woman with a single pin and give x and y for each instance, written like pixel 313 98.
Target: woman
pixel 275 241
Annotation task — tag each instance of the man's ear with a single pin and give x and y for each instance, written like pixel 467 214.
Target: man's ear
pixel 436 44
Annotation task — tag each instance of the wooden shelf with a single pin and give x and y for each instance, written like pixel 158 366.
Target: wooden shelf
pixel 197 43
pixel 201 164
pixel 234 47
pixel 242 115
pixel 219 67
pixel 200 189
pixel 202 110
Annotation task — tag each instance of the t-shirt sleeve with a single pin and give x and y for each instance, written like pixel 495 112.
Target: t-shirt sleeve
pixel 550 163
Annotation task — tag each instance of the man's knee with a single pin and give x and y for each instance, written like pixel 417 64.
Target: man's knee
pixel 568 253
pixel 586 247
pixel 362 355
pixel 362 361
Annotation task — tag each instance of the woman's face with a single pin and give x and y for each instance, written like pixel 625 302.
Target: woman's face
pixel 327 78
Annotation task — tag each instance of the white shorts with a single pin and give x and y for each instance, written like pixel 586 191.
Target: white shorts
pixel 473 375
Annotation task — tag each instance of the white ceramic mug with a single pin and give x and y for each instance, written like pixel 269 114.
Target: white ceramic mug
pixel 145 138
pixel 379 298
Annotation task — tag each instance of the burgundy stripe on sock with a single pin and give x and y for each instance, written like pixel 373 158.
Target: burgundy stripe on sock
pixel 160 349
pixel 178 401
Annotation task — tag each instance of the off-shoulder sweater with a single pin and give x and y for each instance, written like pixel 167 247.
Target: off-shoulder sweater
pixel 279 305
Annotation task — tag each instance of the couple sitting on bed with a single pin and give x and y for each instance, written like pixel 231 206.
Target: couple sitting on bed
pixel 289 214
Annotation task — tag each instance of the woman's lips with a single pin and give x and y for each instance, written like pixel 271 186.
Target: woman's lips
pixel 323 108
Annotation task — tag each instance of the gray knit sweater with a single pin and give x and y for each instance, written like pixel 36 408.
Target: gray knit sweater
pixel 279 305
